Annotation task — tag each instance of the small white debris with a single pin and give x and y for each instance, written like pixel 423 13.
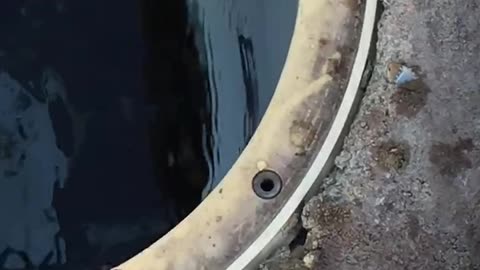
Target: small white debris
pixel 311 259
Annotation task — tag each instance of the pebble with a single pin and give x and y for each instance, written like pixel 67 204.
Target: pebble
pixel 311 259
pixel 342 160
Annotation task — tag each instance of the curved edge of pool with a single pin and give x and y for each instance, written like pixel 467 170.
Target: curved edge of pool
pixel 298 139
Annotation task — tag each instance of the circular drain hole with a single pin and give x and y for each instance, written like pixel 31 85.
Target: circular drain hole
pixel 267 184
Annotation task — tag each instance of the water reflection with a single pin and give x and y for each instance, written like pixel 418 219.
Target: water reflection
pixel 78 182
pixel 116 118
pixel 244 44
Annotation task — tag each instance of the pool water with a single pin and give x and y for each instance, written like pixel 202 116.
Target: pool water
pixel 118 117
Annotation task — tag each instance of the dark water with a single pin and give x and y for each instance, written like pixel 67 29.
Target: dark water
pixel 244 46
pixel 129 120
pixel 150 109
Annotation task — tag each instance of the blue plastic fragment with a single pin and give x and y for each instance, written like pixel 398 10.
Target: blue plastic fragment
pixel 405 75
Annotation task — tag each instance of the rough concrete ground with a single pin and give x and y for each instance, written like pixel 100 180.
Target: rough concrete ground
pixel 405 192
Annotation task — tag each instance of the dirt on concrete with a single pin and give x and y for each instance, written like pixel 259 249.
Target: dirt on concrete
pixel 391 155
pixel 405 190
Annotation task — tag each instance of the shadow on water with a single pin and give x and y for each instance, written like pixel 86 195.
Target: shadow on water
pixel 132 104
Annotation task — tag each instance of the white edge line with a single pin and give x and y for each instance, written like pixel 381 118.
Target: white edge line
pixel 325 153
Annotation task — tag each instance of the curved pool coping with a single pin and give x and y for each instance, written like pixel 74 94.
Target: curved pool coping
pixel 298 139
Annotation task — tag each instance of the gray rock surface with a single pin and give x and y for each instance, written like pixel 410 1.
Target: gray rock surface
pixel 405 192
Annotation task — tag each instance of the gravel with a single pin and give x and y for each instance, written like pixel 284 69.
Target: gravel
pixel 405 190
